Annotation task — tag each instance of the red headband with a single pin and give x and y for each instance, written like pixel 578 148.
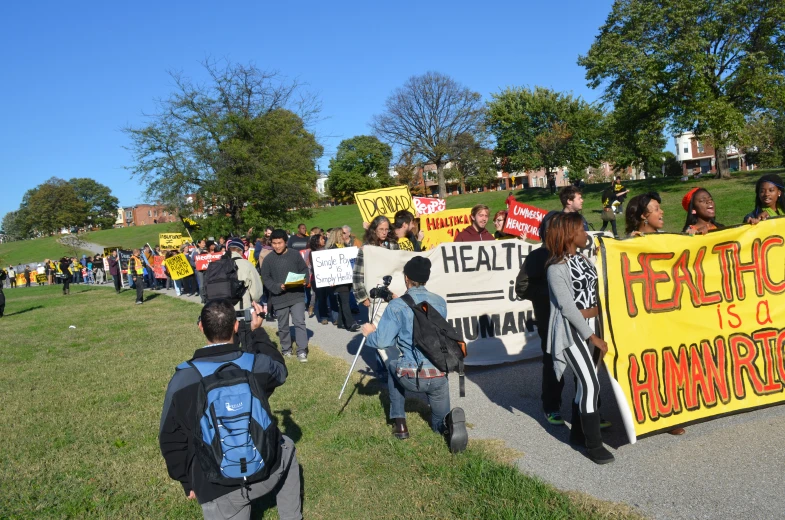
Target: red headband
pixel 685 202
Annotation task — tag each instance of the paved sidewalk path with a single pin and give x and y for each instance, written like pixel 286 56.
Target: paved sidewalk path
pixel 725 468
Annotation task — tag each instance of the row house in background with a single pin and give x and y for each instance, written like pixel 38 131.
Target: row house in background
pixel 697 156
pixel 143 215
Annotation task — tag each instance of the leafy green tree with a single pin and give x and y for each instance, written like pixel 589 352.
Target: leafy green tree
pixel 239 142
pixel 474 165
pixel 51 206
pixel 101 204
pixel 702 65
pixel 15 225
pixel 360 163
pixel 762 140
pixel 425 117
pixel 540 128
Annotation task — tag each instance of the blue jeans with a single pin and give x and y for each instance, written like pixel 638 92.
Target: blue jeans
pixel 436 389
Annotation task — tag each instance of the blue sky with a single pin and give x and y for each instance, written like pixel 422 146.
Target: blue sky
pixel 76 73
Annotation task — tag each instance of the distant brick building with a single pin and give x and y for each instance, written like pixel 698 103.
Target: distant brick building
pixel 143 215
pixel 697 156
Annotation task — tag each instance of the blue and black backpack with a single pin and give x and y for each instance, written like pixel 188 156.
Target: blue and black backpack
pixel 237 441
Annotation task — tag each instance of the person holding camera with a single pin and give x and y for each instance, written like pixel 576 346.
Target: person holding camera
pixel 209 476
pixel 408 368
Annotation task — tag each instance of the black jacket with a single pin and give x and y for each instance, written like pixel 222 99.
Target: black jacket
pixel 179 418
pixel 532 283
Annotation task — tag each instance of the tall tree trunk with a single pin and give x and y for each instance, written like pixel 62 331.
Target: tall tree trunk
pixel 440 176
pixel 721 162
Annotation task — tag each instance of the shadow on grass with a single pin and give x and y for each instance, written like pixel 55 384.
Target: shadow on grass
pixel 415 402
pixel 24 310
pixel 287 425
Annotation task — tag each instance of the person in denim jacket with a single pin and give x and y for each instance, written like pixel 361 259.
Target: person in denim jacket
pixel 408 368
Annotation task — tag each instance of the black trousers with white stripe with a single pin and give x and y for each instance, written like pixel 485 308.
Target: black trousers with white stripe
pixel 580 358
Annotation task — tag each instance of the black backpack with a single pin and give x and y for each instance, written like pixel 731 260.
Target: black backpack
pixel 221 281
pixel 437 339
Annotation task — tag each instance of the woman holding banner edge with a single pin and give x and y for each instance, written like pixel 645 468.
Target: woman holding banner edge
pixel 645 215
pixel 574 327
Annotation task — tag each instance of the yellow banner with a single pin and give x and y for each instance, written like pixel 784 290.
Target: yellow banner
pixel 170 240
pixel 178 266
pixel 695 325
pixel 443 226
pixel 384 201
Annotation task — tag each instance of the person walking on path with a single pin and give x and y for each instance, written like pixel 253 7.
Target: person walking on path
pixel 288 301
pixel 574 329
pixel 28 275
pixel 342 291
pixel 114 270
pixel 136 270
pixel 476 231
pixel 65 268
pixel 11 277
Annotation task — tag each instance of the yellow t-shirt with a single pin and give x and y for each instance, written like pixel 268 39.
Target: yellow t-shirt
pixel 405 244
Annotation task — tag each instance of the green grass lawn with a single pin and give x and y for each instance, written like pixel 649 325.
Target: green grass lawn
pixel 134 236
pixel 34 251
pixel 80 410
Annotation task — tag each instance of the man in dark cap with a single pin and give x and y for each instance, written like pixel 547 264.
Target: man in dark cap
pixel 408 368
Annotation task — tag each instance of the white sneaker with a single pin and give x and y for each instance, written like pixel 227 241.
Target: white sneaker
pixel 302 358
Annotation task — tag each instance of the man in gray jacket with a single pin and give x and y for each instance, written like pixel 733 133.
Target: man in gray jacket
pixel 287 301
pixel 246 273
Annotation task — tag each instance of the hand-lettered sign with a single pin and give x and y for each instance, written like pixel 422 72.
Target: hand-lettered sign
pixel 428 206
pixel 524 220
pixel 695 325
pixel 384 201
pixel 333 266
pixel 443 226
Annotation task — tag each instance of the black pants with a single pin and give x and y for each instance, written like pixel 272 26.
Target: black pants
pixel 189 285
pixel 139 284
pixel 345 319
pixel 66 284
pixel 613 226
pixel 118 282
pixel 551 386
pixel 322 307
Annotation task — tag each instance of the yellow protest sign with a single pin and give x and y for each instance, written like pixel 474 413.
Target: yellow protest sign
pixel 695 325
pixel 178 266
pixel 384 201
pixel 170 240
pixel 443 226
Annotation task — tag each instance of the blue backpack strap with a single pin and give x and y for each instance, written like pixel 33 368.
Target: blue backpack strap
pixel 207 368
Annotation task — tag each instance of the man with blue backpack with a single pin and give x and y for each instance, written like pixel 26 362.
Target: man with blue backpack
pixel 217 435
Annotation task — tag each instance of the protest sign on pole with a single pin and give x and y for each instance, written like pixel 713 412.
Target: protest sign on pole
pixel 524 220
pixel 158 267
pixel 428 206
pixel 178 266
pixel 333 266
pixel 202 261
pixel 443 226
pixel 169 241
pixel 40 279
pixel 695 325
pixel 384 201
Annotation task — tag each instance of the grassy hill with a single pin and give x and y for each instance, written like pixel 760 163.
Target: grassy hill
pixel 734 198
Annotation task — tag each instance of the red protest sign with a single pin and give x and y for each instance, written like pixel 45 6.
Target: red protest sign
pixel 158 267
pixel 428 206
pixel 202 261
pixel 524 220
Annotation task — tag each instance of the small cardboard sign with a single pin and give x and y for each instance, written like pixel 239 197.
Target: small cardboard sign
pixel 524 220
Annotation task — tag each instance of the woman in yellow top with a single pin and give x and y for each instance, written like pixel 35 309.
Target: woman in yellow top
pixel 769 199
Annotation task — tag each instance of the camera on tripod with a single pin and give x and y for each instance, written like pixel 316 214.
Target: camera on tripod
pixel 382 291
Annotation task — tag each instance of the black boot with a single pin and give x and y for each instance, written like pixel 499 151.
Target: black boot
pixel 457 437
pixel 594 448
pixel 576 431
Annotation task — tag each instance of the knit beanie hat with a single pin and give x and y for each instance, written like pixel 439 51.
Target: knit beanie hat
pixel 418 269
pixel 685 202
pixel 235 242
